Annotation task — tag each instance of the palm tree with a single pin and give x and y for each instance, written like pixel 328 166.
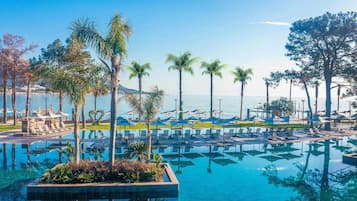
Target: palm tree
pixel 212 69
pixel 75 84
pixel 137 70
pixel 110 48
pixel 138 150
pixel 181 63
pixel 148 110
pixel 99 87
pixel 242 75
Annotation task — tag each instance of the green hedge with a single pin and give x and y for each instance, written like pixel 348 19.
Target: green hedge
pixel 98 171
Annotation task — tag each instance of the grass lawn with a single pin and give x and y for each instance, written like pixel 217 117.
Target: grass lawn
pixel 4 127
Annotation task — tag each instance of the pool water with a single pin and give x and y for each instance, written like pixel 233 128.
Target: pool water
pixel 299 171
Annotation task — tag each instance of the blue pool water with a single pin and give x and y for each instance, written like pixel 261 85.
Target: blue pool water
pixel 247 172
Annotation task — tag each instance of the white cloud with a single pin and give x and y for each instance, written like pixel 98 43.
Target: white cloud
pixel 275 23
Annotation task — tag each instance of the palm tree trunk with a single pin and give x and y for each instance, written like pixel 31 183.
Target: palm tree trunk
pixel 28 102
pixel 148 142
pixel 95 109
pixel 211 104
pixel 180 95
pixel 316 96
pixel 308 103
pixel 82 145
pixel 113 107
pixel 84 123
pixel 290 89
pixel 328 81
pixel 60 99
pixel 4 118
pixel 267 99
pixel 140 94
pixel 241 100
pixel 13 100
pixel 76 133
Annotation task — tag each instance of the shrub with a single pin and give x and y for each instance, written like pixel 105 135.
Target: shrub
pixel 98 171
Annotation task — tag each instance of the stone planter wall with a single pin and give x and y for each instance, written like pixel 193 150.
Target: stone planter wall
pixel 167 189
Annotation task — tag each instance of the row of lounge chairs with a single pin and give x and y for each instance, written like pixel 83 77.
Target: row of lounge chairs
pixel 190 134
pixel 44 129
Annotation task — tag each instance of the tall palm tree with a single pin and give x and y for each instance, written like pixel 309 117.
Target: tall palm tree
pixel 148 109
pixel 138 70
pixel 112 50
pixel 75 84
pixel 181 63
pixel 76 56
pixel 242 75
pixel 212 69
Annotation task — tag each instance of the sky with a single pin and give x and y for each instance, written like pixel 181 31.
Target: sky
pixel 250 34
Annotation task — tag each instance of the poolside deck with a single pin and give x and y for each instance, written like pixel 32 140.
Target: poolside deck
pixel 16 137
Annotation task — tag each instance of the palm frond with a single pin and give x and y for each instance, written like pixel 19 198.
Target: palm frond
pixel 119 32
pixel 85 31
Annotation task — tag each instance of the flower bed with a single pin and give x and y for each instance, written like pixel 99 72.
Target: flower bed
pixel 128 180
pixel 99 171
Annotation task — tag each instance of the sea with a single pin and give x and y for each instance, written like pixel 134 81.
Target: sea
pixel 223 106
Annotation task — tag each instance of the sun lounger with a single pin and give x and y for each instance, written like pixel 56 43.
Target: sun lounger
pixel 187 134
pixel 154 134
pixel 207 134
pixel 47 129
pixel 312 133
pixel 197 132
pixel 240 132
pixel 59 128
pixel 63 126
pixel 258 131
pixel 216 133
pixel 230 132
pixel 164 135
pixel 142 135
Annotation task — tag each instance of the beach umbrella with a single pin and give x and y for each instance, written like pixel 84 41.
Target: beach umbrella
pixel 340 117
pixel 191 118
pixel 354 116
pixel 180 123
pixel 167 119
pixel 123 122
pixel 235 118
pixel 158 122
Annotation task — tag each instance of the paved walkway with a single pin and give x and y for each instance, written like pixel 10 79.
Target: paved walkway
pixel 16 137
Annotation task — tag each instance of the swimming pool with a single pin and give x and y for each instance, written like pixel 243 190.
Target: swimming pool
pixel 242 172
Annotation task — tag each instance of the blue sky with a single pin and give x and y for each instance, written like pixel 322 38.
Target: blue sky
pixel 239 33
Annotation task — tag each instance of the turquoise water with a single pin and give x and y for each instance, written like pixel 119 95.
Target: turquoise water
pixel 247 172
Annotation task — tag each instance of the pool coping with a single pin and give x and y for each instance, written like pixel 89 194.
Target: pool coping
pixel 37 191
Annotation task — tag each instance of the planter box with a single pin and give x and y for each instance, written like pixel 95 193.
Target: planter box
pixel 166 189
